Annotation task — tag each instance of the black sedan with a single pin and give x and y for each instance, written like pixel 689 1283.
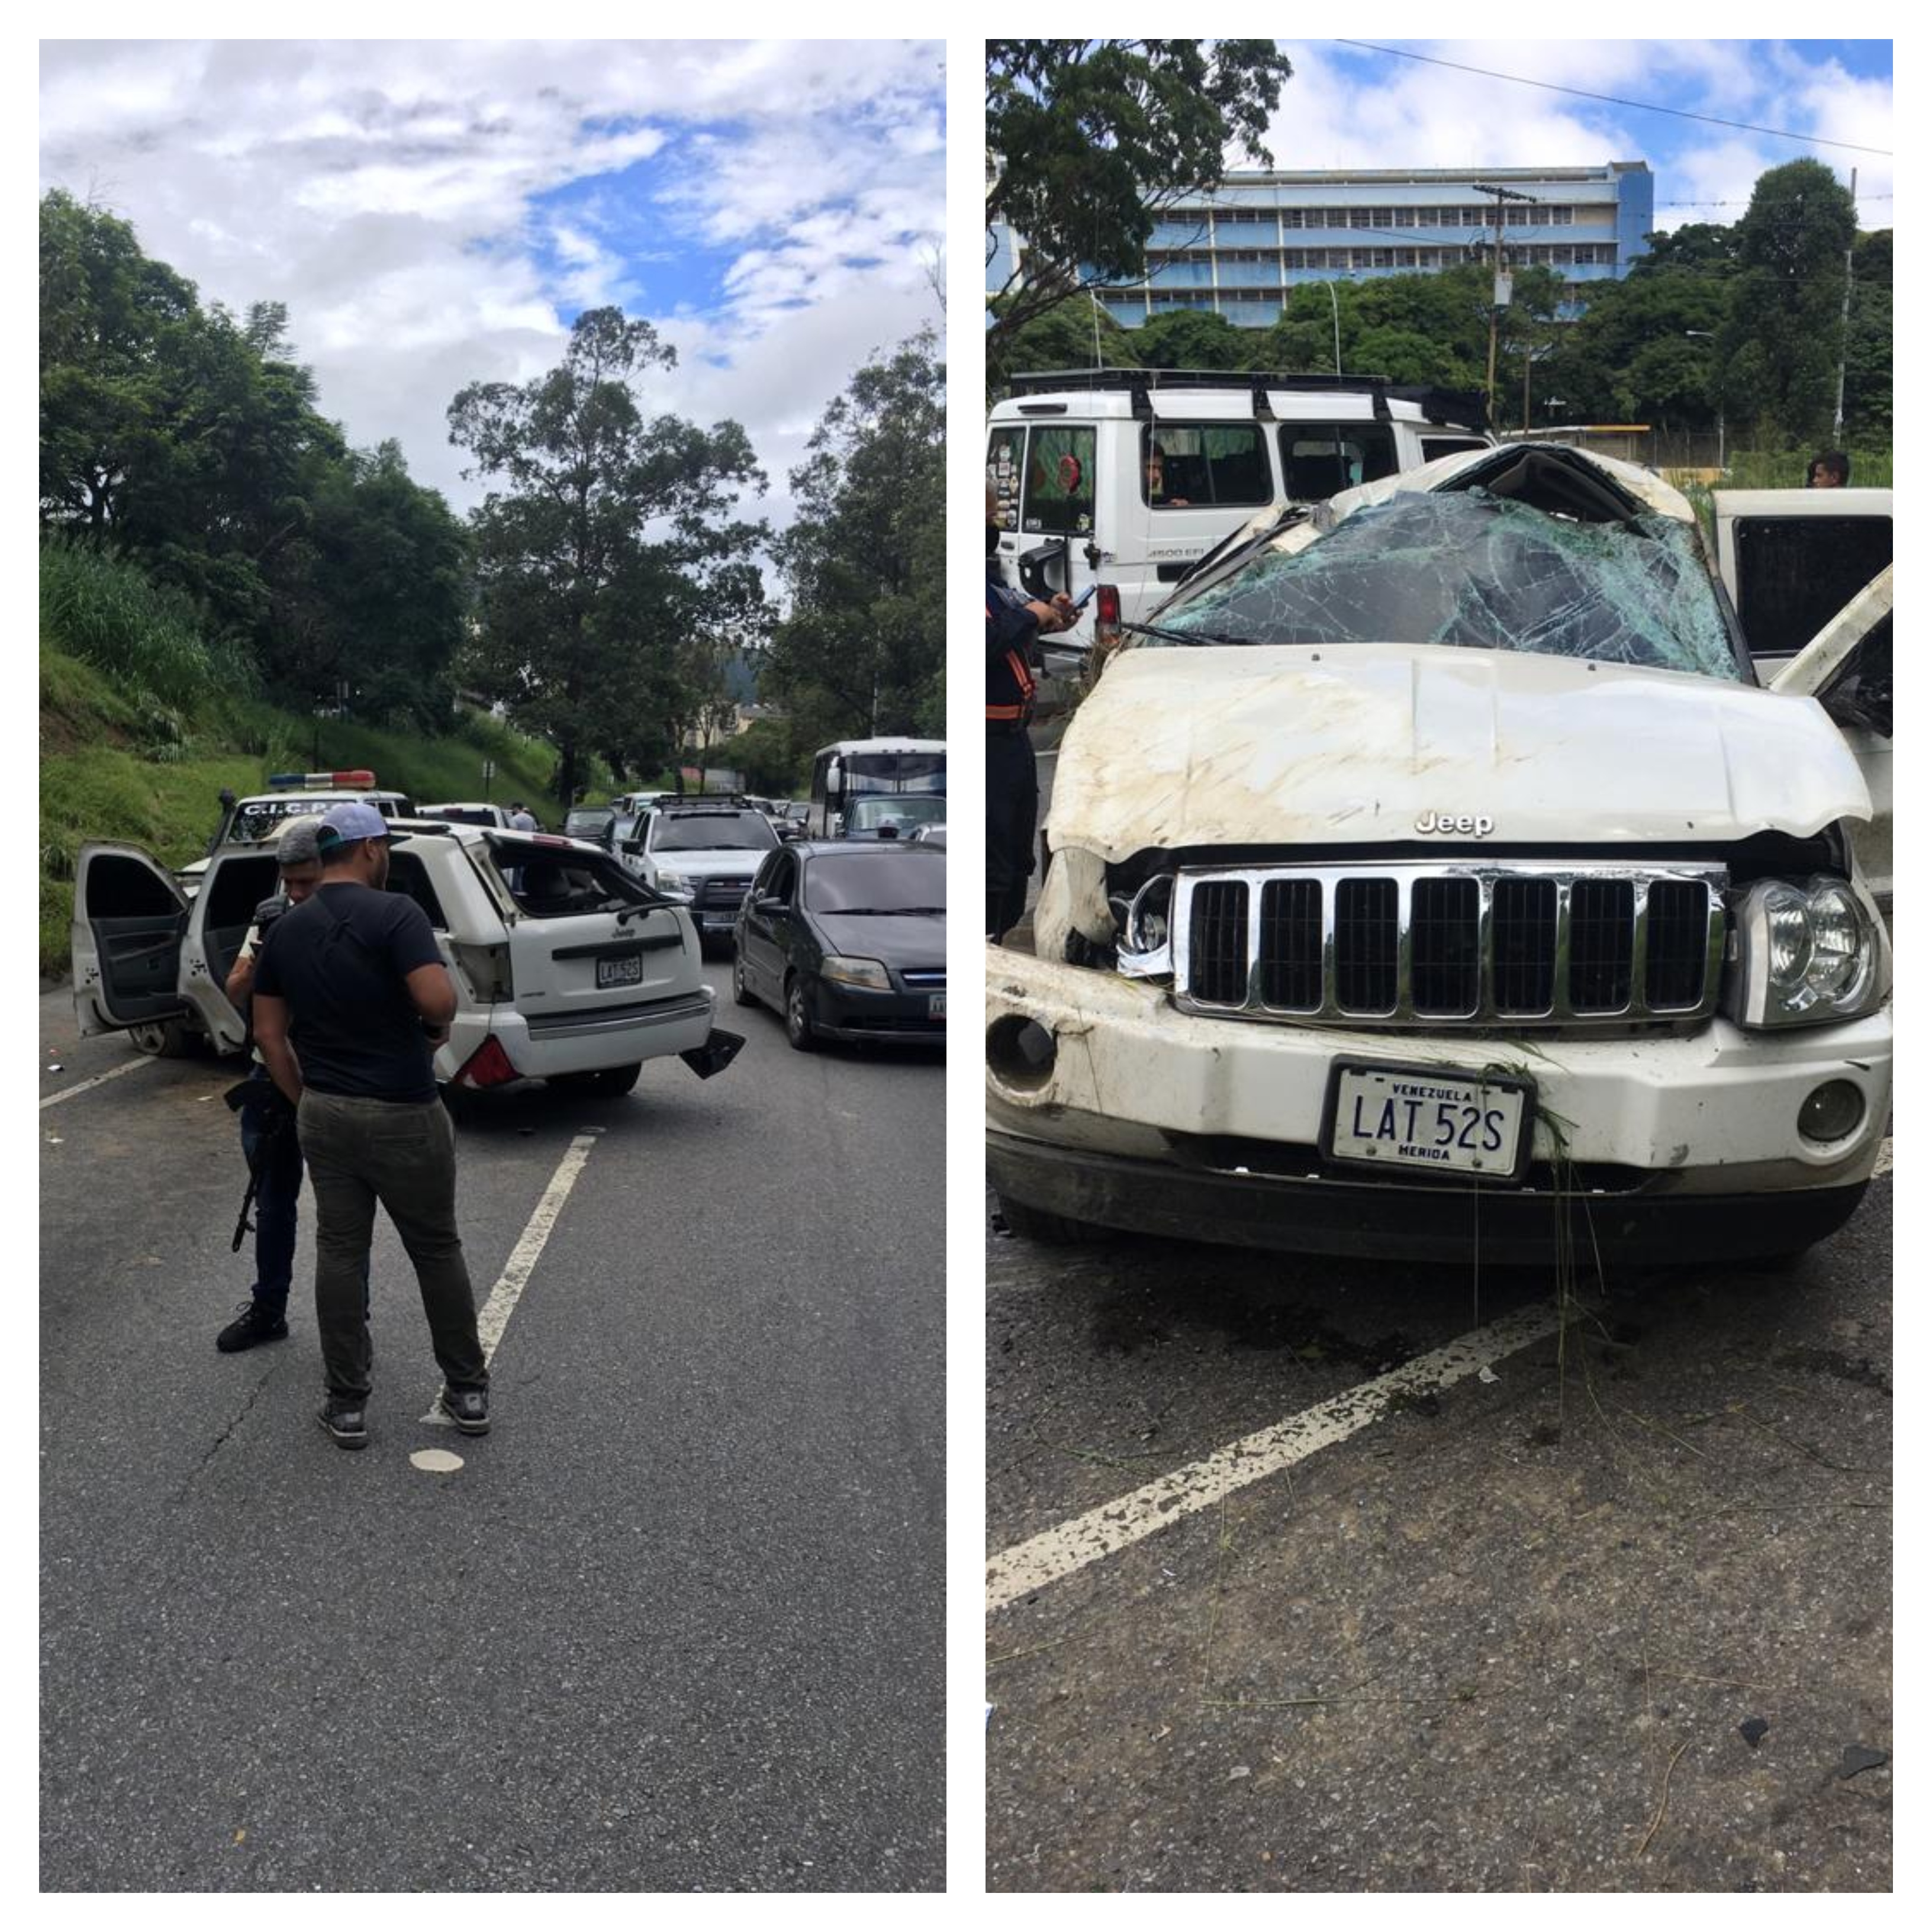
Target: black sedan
pixel 848 941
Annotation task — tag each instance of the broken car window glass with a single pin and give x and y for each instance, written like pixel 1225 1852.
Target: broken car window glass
pixel 1466 568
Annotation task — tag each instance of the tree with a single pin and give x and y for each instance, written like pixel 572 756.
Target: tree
pixel 1779 343
pixel 1868 357
pixel 1190 338
pixel 613 544
pixel 1090 140
pixel 1071 336
pixel 863 649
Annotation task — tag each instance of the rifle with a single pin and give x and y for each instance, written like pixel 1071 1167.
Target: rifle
pixel 278 1118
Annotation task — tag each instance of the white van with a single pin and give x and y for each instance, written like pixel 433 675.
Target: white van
pixel 1131 476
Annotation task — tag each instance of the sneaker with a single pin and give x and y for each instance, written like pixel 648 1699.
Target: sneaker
pixel 254 1322
pixel 468 1409
pixel 342 1416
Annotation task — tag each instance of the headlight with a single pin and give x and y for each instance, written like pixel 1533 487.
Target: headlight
pixel 1143 950
pixel 1803 955
pixel 866 973
pixel 673 887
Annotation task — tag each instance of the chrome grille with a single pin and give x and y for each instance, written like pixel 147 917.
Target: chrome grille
pixel 1468 944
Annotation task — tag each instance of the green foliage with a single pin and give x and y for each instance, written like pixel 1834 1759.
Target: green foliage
pixel 1778 345
pixel 1090 139
pixel 1190 338
pixel 599 637
pixel 1064 337
pixel 863 650
pixel 149 639
pixel 179 438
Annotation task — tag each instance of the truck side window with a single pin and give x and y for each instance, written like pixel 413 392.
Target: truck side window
pixel 1059 484
pixel 1183 465
pixel 1319 460
pixel 1794 573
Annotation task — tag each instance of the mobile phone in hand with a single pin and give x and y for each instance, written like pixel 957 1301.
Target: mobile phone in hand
pixel 1080 602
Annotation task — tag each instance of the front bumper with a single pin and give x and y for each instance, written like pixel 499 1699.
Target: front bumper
pixel 894 1018
pixel 1656 1147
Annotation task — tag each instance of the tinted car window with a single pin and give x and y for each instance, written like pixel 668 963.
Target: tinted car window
pixel 1796 573
pixel 712 831
pixel 1318 459
pixel 834 883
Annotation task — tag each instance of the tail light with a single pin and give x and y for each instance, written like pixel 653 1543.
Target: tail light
pixel 1107 614
pixel 489 1066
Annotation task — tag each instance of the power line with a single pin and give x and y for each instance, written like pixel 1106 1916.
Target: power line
pixel 1617 101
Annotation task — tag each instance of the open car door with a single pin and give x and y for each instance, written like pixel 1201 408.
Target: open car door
pixel 1847 667
pixel 131 922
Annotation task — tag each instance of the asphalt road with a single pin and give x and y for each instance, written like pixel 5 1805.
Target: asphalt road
pixel 1506 1635
pixel 676 1624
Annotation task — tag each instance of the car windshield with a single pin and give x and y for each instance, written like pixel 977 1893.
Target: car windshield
pixel 554 882
pixel 892 882
pixel 712 831
pixel 582 824
pixel 867 815
pixel 1467 568
pixel 258 818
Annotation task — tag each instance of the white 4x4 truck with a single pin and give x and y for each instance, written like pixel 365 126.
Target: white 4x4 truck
pixel 565 966
pixel 1129 477
pixel 1437 873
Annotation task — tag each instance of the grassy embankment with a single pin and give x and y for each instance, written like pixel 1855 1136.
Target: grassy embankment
pixel 1783 469
pixel 143 722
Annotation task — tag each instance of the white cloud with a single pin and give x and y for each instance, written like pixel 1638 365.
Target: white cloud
pixel 393 195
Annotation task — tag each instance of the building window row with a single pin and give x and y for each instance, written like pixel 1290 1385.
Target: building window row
pixel 1543 255
pixel 1516 214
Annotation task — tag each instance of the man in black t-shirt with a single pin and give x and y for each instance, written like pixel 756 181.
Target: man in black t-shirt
pixel 351 998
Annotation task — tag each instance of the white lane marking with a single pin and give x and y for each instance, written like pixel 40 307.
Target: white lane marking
pixel 494 1316
pixel 113 1073
pixel 1058 1552
pixel 1884 1159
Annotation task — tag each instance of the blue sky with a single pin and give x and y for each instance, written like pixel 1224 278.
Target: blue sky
pixel 436 213
pixel 1349 108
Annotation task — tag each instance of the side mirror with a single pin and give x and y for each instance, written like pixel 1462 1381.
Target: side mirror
pixel 835 779
pixel 768 903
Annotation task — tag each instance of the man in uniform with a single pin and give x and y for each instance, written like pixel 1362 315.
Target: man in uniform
pixel 1012 785
pixel 351 999
pixel 273 1152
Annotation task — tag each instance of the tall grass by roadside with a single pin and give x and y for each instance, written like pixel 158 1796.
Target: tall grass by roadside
pixel 107 612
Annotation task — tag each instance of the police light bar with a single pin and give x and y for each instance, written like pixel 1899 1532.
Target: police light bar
pixel 278 780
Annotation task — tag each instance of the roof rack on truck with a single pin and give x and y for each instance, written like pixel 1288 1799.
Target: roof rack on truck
pixel 1463 407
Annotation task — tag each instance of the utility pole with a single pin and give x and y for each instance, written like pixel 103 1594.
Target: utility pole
pixel 1499 294
pixel 1845 322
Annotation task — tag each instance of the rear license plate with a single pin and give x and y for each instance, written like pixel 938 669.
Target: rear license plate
pixel 1413 1117
pixel 621 969
pixel 935 1006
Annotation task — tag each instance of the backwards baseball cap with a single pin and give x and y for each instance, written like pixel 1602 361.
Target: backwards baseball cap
pixel 349 823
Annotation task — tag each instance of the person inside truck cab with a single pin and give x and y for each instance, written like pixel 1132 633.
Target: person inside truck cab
pixel 1831 469
pixel 1156 480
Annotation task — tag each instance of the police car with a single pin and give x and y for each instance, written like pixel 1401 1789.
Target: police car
pixel 256 821
pixel 567 967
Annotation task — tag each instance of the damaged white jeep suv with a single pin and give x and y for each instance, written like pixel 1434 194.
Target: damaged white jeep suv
pixel 1434 874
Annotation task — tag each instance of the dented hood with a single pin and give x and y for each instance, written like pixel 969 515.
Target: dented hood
pixel 1352 744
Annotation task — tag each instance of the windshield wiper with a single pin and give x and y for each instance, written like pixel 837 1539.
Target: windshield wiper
pixel 1182 636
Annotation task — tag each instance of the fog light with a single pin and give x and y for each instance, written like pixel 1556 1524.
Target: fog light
pixel 1020 1050
pixel 1831 1111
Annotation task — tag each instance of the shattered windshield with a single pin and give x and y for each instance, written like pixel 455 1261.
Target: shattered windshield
pixel 1464 567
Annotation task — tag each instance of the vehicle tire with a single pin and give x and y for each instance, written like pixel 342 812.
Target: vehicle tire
pixel 166 1039
pixel 1049 1230
pixel 740 992
pixel 797 1018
